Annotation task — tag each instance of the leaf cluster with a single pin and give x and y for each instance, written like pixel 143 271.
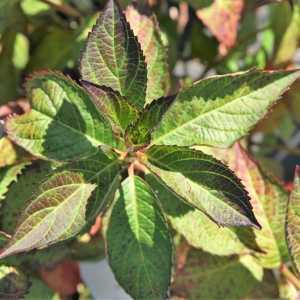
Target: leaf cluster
pixel 165 173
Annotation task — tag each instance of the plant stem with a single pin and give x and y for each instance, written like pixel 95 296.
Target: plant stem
pixel 131 170
pixel 284 270
pixel 64 8
pixel 139 167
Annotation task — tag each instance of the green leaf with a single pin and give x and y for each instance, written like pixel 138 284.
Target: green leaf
pixel 269 201
pixel 102 170
pixel 10 14
pixel 139 132
pixel 56 213
pixel 13 284
pixel 204 182
pixel 114 106
pixel 49 53
pixel 213 277
pixel 146 29
pixel 10 74
pixel 34 7
pixel 287 32
pixel 63 123
pixel 20 192
pixel 139 244
pixel 293 221
pixel 199 230
pixel 8 175
pixel 14 52
pixel 39 290
pixel 219 110
pixel 113 56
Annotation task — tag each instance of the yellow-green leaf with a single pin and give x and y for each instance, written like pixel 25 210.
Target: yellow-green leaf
pixel 219 110
pixel 63 123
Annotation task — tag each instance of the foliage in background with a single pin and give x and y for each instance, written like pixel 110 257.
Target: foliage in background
pixel 121 116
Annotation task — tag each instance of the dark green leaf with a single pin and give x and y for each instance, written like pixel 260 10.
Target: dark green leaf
pixel 13 58
pixel 63 123
pixel 13 284
pixel 113 56
pixel 139 244
pixel 59 47
pixel 139 133
pixel 204 183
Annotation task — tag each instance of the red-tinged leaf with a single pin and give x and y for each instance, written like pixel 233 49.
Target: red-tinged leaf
pixel 113 56
pixel 56 213
pixel 115 107
pixel 146 29
pixel 269 201
pixel 293 221
pixel 222 19
pixel 63 279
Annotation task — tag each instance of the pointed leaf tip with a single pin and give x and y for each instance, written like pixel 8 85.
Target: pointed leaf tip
pixel 43 130
pixel 219 110
pixel 205 183
pixel 113 56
